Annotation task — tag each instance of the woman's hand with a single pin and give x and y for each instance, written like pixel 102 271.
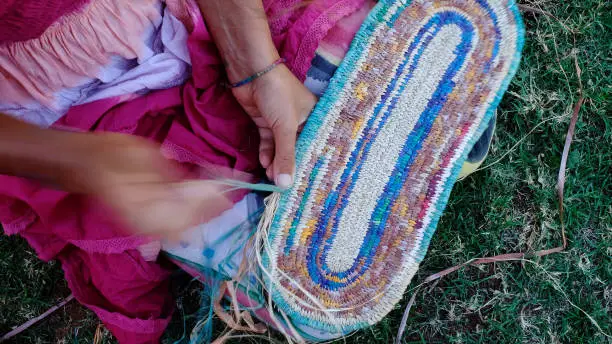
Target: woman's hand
pixel 130 175
pixel 278 103
pixel 127 173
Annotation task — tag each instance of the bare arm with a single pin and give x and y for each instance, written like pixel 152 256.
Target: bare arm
pixel 28 151
pixel 242 35
pixel 127 173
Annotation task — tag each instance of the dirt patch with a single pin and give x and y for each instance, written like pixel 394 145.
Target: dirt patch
pixel 71 316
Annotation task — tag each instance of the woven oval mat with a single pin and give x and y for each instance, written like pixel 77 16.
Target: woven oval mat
pixel 379 156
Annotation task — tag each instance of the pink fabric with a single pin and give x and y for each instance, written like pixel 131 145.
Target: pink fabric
pixel 198 123
pixel 75 50
pixel 336 43
pixel 307 30
pixel 25 19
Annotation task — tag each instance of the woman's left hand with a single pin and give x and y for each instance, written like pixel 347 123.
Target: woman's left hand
pixel 278 103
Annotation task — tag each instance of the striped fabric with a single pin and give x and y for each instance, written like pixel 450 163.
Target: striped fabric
pixel 379 156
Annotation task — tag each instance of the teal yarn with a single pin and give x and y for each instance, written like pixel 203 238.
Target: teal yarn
pixel 213 273
pixel 238 185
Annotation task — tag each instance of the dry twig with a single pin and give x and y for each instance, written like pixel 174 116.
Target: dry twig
pixel 33 321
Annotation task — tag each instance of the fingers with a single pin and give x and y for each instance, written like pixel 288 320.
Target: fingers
pixel 204 199
pixel 166 210
pixel 284 157
pixel 285 135
pixel 266 147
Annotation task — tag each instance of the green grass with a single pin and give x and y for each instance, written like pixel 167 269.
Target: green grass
pixel 508 207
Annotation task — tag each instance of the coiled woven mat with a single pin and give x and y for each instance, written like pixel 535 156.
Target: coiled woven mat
pixel 379 156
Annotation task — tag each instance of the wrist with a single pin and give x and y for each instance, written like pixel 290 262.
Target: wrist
pixel 242 34
pixel 240 66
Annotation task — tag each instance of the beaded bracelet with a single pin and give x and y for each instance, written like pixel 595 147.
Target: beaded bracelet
pixel 257 75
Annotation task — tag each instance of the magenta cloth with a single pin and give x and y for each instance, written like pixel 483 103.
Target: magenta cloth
pixel 21 20
pixel 197 123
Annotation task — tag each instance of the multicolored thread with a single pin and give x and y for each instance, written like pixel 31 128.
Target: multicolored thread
pixel 379 156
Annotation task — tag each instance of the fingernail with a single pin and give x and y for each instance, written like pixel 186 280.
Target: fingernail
pixel 284 181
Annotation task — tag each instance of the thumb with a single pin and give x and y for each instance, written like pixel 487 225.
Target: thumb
pixel 284 156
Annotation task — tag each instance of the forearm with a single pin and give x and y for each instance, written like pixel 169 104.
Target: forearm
pixel 241 32
pixel 30 151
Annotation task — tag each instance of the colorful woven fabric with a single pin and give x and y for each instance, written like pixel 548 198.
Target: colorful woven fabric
pixel 379 156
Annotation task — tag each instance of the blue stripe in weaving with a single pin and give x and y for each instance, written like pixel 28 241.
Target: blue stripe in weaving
pixel 493 16
pixel 409 152
pixel 420 130
pixel 416 137
pixel 349 172
pixel 300 210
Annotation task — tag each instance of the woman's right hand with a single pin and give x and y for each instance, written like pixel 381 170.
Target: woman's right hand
pixel 143 188
pixel 127 173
